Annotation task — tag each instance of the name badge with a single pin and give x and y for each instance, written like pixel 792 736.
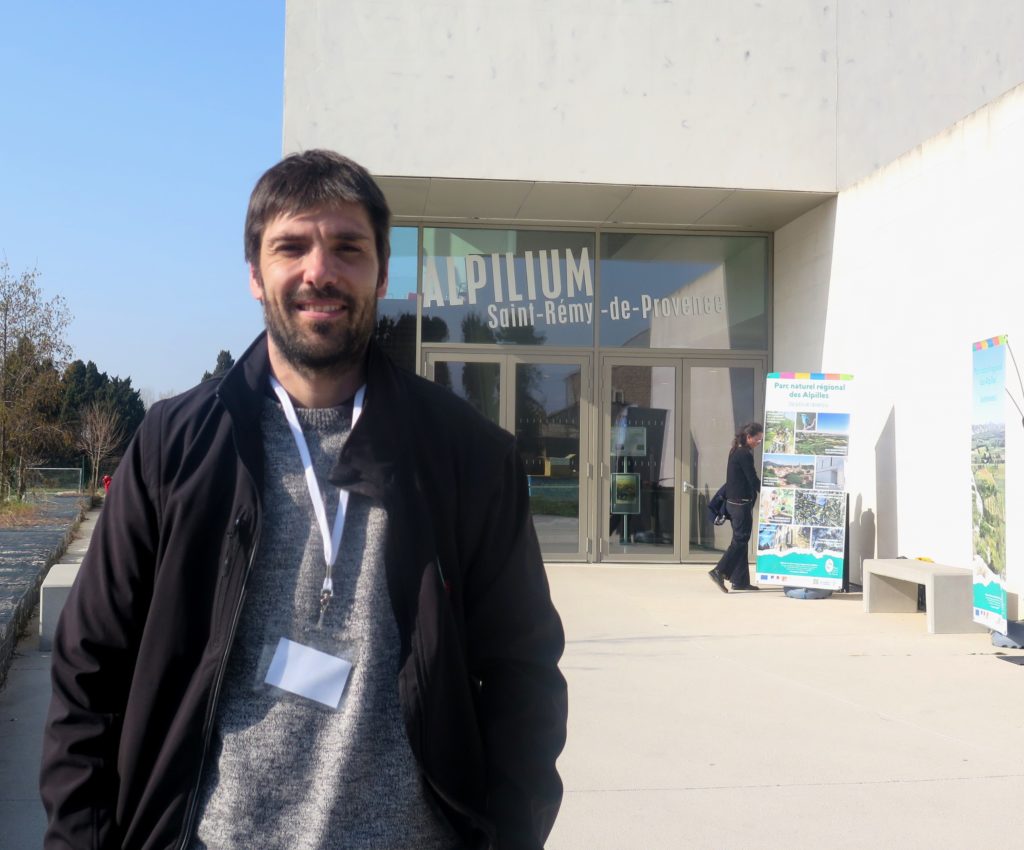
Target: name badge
pixel 308 672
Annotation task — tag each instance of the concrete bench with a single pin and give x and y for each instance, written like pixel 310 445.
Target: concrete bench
pixel 890 587
pixel 53 593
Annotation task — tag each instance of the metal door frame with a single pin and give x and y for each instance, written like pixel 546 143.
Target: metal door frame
pixel 758 364
pixel 602 481
pixel 430 359
pixel 507 361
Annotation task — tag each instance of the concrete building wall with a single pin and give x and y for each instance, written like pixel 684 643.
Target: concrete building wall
pixel 575 91
pixel 893 282
pixel 908 69
pixel 793 94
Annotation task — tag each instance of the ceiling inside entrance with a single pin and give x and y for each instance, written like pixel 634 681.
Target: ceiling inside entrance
pixel 596 204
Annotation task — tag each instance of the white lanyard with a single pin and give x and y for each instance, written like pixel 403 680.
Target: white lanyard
pixel 331 538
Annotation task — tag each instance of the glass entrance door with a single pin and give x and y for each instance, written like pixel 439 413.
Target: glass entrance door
pixel 477 381
pixel 545 402
pixel 721 396
pixel 667 426
pixel 640 463
pixel 662 431
pixel 549 422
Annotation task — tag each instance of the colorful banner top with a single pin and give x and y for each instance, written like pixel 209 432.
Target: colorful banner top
pixel 810 376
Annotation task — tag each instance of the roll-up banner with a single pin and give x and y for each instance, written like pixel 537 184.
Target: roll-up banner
pixel 988 482
pixel 801 531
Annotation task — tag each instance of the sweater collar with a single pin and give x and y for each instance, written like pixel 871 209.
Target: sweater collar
pixel 377 444
pixel 368 462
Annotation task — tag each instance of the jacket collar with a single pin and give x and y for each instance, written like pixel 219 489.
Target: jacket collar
pixel 241 393
pixel 372 452
pixel 243 386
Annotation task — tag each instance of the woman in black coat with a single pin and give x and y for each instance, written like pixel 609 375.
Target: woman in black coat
pixel 741 488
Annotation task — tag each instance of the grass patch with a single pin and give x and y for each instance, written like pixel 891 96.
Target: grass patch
pixel 14 514
pixel 542 506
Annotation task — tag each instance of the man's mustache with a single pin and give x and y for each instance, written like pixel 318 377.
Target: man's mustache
pixel 329 292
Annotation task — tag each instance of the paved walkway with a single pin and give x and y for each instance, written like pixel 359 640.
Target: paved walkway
pixel 753 720
pixel 25 695
pixel 24 701
pixel 25 554
pixel 747 720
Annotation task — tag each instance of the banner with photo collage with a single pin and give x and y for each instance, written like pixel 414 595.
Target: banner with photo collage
pixel 801 534
pixel 988 482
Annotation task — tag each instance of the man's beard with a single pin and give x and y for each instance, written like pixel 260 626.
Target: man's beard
pixel 336 347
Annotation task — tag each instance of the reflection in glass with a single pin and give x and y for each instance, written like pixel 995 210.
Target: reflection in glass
pixel 721 402
pixel 642 459
pixel 477 383
pixel 660 291
pixel 510 287
pixel 396 311
pixel 547 428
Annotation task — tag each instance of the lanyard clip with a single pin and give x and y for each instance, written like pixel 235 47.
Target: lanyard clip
pixel 325 599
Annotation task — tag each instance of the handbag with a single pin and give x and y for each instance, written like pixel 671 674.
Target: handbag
pixel 716 507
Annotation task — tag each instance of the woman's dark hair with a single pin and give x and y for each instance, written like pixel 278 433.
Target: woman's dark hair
pixel 751 429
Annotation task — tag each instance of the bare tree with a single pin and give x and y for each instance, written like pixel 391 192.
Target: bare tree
pixel 31 427
pixel 99 434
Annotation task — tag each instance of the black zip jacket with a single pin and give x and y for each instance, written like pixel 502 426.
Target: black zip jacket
pixel 741 481
pixel 142 642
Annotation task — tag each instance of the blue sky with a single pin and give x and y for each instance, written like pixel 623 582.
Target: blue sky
pixel 834 423
pixel 130 137
pixel 989 374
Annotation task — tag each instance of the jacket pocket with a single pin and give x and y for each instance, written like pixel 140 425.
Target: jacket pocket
pixel 232 563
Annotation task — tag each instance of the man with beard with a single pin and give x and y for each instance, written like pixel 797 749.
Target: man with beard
pixel 313 613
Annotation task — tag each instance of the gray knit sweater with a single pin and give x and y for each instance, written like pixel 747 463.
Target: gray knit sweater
pixel 284 771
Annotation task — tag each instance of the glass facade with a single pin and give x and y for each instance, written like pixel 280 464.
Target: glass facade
pixel 547 427
pixel 684 291
pixel 508 287
pixel 722 399
pixel 537 287
pixel 641 454
pixel 622 362
pixel 396 311
pixel 477 383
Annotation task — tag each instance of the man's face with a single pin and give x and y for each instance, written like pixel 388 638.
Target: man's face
pixel 319 280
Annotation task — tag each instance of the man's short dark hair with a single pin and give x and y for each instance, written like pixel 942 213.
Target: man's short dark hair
pixel 312 179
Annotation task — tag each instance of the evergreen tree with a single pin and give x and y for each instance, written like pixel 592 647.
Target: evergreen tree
pixel 224 362
pixel 84 386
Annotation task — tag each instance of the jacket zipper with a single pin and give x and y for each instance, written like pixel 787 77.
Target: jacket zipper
pixel 211 711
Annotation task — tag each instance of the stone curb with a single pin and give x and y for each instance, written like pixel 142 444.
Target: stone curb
pixel 12 628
